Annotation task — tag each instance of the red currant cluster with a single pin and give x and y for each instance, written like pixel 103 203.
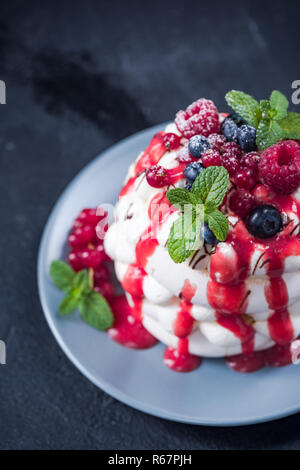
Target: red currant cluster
pixel 87 250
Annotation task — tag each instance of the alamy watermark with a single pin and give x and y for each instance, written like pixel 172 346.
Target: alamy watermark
pixel 2 353
pixel 2 92
pixel 295 98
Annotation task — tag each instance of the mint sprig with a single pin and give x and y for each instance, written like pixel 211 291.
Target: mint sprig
pixel 198 206
pixel 93 307
pixel 271 118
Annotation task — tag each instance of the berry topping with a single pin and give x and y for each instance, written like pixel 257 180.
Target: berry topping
pixel 279 167
pixel 246 136
pixel 208 235
pixel 171 141
pixel 191 172
pixel 231 163
pixel 246 178
pixel 198 145
pixel 264 221
pixel 74 259
pixel 184 155
pixel 241 203
pixel 250 160
pixel 106 289
pixel 89 217
pixel 157 176
pixel 91 258
pixel 200 117
pixel 246 362
pixel 216 141
pixel 279 355
pixel 229 129
pixel 211 158
pixel 81 236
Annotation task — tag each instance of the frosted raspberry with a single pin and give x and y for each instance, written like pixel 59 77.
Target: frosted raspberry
pixel 211 158
pixel 279 167
pixel 241 203
pixel 216 142
pixel 200 117
pixel 184 155
pixel 231 148
pixel 231 163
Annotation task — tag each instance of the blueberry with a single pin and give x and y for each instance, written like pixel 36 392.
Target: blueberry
pixel 208 235
pixel 192 171
pixel 229 129
pixel 264 221
pixel 246 135
pixel 197 145
pixel 237 119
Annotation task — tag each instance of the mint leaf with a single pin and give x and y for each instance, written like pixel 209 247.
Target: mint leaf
pixel 245 105
pixel 290 126
pixel 211 185
pixel 68 304
pixel 279 104
pixel 81 281
pixel 268 133
pixel 95 311
pixel 185 234
pixel 62 275
pixel 180 197
pixel 265 107
pixel 217 223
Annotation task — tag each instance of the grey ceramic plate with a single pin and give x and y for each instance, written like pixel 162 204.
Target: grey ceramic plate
pixel 211 395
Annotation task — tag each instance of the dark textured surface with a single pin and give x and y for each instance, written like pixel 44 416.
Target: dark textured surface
pixel 80 76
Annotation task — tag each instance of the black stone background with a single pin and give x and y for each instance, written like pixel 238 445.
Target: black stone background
pixel 80 76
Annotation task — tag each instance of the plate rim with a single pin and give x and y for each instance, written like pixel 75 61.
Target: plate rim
pixel 104 384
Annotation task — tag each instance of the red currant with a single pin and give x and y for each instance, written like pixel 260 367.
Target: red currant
pixel 90 217
pixel 157 176
pixel 171 141
pixel 231 163
pixel 245 178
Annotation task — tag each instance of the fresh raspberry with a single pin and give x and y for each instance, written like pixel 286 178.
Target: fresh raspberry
pixel 91 258
pixel 216 142
pixel 232 149
pixel 245 178
pixel 211 158
pixel 89 217
pixel 171 141
pixel 74 260
pixel 241 203
pixel 157 176
pixel 279 167
pixel 81 236
pixel 231 163
pixel 200 117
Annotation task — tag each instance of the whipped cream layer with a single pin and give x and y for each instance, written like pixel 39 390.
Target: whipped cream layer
pixel 240 296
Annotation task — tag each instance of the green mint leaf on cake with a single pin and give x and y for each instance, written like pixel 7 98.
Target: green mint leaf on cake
pixel 279 105
pixel 211 185
pixel 268 133
pixel 93 307
pixel 178 197
pixel 217 223
pixel 290 126
pixel 198 206
pixel 95 311
pixel 245 106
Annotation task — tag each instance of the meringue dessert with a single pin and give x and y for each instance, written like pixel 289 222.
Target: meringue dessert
pixel 234 294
